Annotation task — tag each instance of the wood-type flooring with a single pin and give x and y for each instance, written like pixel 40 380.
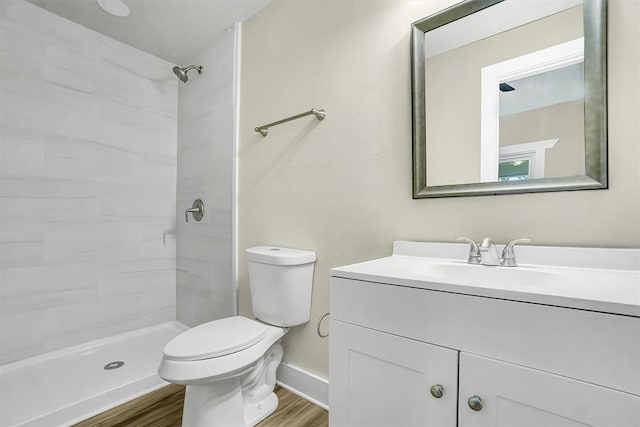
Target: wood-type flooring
pixel 163 408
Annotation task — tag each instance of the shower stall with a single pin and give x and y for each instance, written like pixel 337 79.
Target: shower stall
pixel 102 150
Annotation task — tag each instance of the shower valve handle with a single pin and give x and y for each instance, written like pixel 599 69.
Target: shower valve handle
pixel 197 210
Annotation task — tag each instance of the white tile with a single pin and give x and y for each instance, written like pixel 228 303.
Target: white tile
pixel 34 301
pixel 159 171
pixel 87 160
pixel 90 240
pixel 74 324
pixel 186 279
pixel 137 62
pixel 137 202
pixel 205 310
pixel 17 231
pixel 15 82
pixel 116 326
pixel 160 229
pixel 20 335
pixel 50 209
pixel 47 278
pixel 184 306
pixel 58 341
pixel 24 157
pixel 137 266
pixel 68 120
pixel 18 42
pixel 38 187
pixel 205 159
pixel 17 109
pixel 161 96
pixel 157 248
pixel 71 95
pixel 70 69
pixel 21 254
pixel 137 283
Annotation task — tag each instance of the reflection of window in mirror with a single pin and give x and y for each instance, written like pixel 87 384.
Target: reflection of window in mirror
pixel 534 154
pixel 514 171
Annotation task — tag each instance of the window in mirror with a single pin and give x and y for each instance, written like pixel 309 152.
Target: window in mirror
pixel 514 171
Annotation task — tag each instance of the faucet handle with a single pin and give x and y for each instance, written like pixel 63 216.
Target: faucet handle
pixel 509 255
pixel 474 250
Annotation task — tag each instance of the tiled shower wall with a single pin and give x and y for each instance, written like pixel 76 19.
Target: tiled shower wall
pixel 87 184
pixel 205 288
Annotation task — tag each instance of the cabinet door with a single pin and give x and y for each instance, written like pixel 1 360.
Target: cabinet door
pixel 515 396
pixel 379 379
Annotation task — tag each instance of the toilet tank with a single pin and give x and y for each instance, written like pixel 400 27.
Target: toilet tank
pixel 281 280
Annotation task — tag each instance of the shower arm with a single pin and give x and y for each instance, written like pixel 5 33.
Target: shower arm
pixel 191 67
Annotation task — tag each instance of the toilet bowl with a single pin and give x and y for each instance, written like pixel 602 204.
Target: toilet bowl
pixel 229 365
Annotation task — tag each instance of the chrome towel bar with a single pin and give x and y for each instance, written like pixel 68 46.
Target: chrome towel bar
pixel 319 113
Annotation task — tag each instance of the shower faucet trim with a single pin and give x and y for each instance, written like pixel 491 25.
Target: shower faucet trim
pixel 196 210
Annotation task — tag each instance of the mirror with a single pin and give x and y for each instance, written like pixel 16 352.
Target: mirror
pixel 509 96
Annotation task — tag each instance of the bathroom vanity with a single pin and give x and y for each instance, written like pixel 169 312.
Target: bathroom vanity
pixel 423 338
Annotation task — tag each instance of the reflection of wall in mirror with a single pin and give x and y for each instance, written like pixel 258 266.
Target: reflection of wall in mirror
pixel 453 93
pixel 563 121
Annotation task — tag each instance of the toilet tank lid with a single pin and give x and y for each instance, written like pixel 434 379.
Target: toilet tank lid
pixel 276 255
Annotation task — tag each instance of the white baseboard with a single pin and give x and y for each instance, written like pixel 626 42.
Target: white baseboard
pixel 309 386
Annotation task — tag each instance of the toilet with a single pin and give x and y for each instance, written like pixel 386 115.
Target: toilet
pixel 229 365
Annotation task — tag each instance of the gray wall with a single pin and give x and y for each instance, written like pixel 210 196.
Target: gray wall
pixel 205 287
pixel 87 184
pixel 342 187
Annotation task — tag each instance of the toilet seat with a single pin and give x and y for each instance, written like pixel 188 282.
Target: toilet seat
pixel 199 371
pixel 214 339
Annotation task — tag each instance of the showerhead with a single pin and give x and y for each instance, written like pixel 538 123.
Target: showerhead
pixel 182 72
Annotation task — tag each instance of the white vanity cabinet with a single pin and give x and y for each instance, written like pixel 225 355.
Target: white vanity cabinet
pixel 496 361
pixel 379 379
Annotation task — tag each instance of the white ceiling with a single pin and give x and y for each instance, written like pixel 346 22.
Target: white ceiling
pixel 175 30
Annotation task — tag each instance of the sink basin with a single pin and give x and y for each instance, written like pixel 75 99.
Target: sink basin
pixel 483 275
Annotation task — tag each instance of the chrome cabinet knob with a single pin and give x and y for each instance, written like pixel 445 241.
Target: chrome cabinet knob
pixel 437 391
pixel 475 403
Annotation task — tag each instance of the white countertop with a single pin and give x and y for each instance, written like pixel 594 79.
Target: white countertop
pixel 613 286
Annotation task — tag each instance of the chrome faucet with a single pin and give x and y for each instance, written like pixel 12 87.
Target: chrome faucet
pixel 487 253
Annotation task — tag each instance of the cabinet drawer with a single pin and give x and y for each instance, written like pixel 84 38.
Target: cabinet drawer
pixel 600 348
